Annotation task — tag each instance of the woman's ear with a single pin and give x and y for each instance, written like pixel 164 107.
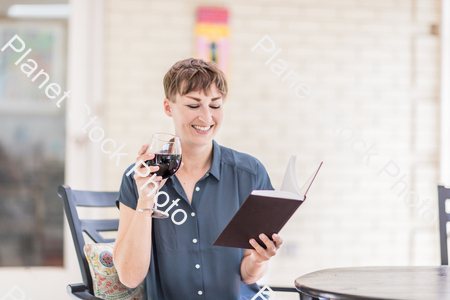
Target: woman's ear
pixel 168 107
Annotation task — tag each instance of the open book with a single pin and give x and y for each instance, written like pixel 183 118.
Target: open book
pixel 265 211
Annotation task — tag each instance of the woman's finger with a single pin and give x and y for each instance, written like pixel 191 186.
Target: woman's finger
pixel 153 169
pixel 143 171
pixel 143 149
pixel 142 165
pixel 145 157
pixel 261 251
pixel 271 248
pixel 277 240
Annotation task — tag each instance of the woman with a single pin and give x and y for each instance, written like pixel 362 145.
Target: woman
pixel 179 261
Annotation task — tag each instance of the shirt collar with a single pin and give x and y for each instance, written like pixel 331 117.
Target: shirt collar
pixel 215 166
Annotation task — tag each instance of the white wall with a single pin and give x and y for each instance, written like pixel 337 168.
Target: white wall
pixel 375 60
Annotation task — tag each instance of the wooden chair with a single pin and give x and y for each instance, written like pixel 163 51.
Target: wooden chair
pixel 444 218
pixel 73 199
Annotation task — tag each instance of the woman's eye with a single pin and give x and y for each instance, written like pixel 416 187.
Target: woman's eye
pixel 196 106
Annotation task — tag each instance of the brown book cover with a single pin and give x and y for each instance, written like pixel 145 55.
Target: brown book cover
pixel 265 211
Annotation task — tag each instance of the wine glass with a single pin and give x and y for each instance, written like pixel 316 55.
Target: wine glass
pixel 167 150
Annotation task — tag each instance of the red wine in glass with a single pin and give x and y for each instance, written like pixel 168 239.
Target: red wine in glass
pixel 168 164
pixel 167 150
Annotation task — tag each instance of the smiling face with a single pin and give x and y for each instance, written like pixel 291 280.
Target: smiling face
pixel 197 117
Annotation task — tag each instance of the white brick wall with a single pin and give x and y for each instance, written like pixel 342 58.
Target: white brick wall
pixel 376 60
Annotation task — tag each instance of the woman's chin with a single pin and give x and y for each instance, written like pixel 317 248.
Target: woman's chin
pixel 202 140
pixel 196 139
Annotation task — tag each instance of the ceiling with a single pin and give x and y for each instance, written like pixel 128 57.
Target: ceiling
pixel 5 4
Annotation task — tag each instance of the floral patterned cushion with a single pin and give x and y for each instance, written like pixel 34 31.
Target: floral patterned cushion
pixel 104 275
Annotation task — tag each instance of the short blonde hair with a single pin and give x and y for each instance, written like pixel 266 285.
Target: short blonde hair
pixel 193 74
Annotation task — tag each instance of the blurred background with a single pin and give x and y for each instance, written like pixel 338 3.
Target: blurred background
pixel 375 78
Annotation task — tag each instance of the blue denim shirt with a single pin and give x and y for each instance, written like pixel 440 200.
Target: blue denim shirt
pixel 184 263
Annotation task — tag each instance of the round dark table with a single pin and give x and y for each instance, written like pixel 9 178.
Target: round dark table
pixel 399 283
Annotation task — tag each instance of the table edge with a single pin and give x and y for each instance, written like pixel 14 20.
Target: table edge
pixel 340 296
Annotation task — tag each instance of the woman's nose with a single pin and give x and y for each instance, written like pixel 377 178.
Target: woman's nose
pixel 205 115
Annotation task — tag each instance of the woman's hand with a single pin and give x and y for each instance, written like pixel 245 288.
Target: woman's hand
pixel 146 190
pixel 255 262
pixel 260 255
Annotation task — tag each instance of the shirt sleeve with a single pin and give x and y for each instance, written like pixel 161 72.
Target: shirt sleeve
pixel 262 178
pixel 128 193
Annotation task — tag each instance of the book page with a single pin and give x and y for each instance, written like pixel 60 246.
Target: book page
pixel 307 185
pixel 290 181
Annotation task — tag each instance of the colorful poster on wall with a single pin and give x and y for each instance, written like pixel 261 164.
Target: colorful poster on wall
pixel 212 36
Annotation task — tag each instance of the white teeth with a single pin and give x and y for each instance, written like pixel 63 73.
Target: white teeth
pixel 201 128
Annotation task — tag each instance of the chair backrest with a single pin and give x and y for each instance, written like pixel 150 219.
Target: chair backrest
pixel 444 217
pixel 72 199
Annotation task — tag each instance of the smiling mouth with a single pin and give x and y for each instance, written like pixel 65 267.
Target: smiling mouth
pixel 201 128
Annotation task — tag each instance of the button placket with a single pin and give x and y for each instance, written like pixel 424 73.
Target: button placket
pixel 195 240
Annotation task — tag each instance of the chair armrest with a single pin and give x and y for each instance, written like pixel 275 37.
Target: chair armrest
pixel 80 291
pixel 76 288
pixel 284 289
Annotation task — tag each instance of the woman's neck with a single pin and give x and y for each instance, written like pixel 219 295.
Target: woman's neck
pixel 196 158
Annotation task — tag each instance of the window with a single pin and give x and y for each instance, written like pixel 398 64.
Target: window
pixel 32 147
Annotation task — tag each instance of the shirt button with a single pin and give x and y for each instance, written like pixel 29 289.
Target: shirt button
pixel 197 189
pixel 197 266
pixel 194 241
pixel 193 214
pixel 200 292
pixel 207 174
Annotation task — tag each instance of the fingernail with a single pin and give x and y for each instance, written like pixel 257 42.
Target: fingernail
pixel 275 235
pixel 252 241
pixel 262 236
